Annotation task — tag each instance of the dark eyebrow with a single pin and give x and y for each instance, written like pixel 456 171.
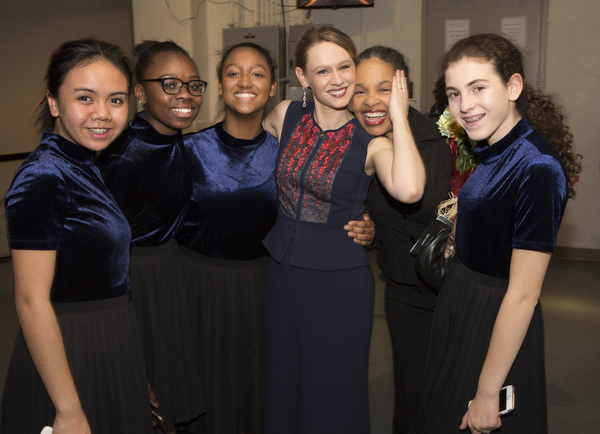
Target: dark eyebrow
pixel 471 83
pixel 85 89
pixel 168 75
pixel 378 84
pixel 477 80
pixel 258 65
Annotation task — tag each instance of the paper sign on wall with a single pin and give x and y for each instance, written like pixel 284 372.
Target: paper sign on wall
pixel 455 31
pixel 515 29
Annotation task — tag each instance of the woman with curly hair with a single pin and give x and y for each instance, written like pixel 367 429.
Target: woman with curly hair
pixel 487 331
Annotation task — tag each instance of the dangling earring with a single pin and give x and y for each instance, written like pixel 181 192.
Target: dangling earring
pixel 304 99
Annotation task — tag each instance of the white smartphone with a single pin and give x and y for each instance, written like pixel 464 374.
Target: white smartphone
pixel 47 430
pixel 507 400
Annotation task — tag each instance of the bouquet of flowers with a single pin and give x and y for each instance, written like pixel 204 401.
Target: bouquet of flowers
pixel 465 159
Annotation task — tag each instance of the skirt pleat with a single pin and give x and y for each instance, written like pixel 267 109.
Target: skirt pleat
pixel 104 353
pixel 164 313
pixel 466 311
pixel 227 297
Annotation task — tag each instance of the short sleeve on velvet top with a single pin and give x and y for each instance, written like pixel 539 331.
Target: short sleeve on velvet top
pixel 58 201
pixel 234 199
pixel 515 199
pixel 147 174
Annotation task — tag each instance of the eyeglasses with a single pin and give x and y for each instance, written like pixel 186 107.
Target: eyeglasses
pixel 173 86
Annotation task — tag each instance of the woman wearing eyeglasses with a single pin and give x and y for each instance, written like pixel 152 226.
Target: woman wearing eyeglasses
pixel 146 171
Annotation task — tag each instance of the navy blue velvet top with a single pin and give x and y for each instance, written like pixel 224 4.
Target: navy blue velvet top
pixel 515 199
pixel 57 201
pixel 147 174
pixel 234 200
pixel 322 185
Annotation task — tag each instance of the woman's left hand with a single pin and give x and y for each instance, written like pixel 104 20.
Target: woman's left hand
pixel 399 102
pixel 363 232
pixel 482 416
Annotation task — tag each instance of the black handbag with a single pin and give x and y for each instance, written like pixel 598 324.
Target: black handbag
pixel 428 251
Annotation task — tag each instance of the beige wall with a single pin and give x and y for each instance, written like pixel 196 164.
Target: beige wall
pixel 572 67
pixel 573 72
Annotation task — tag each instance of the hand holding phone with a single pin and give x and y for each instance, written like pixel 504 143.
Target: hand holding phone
pixel 507 400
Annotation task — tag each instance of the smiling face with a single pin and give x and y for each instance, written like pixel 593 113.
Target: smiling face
pixel 330 74
pixel 480 101
pixel 169 113
pixel 372 96
pixel 91 105
pixel 245 82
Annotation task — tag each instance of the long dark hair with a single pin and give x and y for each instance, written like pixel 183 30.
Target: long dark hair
pixel 539 110
pixel 72 54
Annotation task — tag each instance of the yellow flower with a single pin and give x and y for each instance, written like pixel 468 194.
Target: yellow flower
pixel 444 122
pixel 460 145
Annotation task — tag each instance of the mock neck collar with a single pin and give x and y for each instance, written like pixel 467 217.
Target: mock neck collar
pixel 148 133
pixel 488 153
pixel 69 149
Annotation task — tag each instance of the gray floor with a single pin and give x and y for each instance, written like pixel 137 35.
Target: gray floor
pixel 571 304
pixel 571 307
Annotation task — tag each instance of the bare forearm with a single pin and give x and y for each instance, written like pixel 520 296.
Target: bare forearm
pixel 45 344
pixel 405 177
pixel 408 172
pixel 510 328
pixel 527 272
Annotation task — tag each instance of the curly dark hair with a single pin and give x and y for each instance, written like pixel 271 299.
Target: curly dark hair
pixel 540 110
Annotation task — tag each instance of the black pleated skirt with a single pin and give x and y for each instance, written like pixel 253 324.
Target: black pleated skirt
pixel 104 353
pixel 227 298
pixel 466 310
pixel 164 314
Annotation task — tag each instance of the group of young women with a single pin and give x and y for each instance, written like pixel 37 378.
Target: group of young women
pixel 255 212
